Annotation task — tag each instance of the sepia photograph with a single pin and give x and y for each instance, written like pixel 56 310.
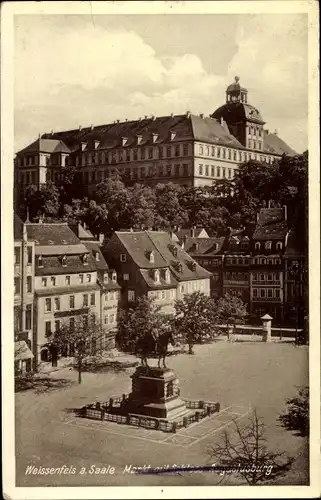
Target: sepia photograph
pixel 161 330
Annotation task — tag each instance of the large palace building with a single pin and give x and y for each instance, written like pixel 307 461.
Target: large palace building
pixel 191 150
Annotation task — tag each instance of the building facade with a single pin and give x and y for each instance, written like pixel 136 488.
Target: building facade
pixel 150 263
pixel 188 149
pixel 24 272
pixel 65 283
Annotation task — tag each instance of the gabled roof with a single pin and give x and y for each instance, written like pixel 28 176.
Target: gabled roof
pixel 51 234
pixel 46 146
pixel 164 244
pixel 81 232
pixel 51 265
pixel 192 232
pixel 137 245
pixel 185 127
pixel 275 145
pixel 94 248
pixel 203 246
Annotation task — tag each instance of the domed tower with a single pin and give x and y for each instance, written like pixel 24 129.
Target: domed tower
pixel 243 120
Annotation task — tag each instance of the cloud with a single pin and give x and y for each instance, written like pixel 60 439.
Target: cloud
pixel 66 76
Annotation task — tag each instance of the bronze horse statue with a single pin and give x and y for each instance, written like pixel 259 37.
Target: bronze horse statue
pixel 154 343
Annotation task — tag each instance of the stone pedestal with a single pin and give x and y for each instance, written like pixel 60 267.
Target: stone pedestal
pixel 155 393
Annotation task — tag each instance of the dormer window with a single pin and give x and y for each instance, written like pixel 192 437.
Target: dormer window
pixel 257 245
pixel 167 276
pixel 268 245
pixel 106 278
pixel 139 139
pixel 40 261
pixel 193 266
pixel 97 256
pixel 114 276
pixel 155 137
pixel 83 146
pixel 64 260
pixel 124 141
pixel 279 245
pixel 179 267
pixel 215 246
pixel 174 250
pixel 123 257
pixel 85 260
pixel 151 256
pixel 156 276
pixel 173 135
pixel 96 144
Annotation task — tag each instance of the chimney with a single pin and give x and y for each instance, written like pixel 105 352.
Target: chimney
pixel 80 127
pixel 126 119
pixel 117 121
pixel 153 117
pixel 101 238
pixel 172 115
pixel 188 114
pixel 52 132
pixel 91 127
pixel 222 121
pixel 193 232
pixel 146 117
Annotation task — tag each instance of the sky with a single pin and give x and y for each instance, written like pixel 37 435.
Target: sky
pixel 73 70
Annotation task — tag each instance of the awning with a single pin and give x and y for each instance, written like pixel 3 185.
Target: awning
pixel 22 351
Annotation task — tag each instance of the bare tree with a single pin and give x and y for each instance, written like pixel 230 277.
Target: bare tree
pixel 80 340
pixel 247 454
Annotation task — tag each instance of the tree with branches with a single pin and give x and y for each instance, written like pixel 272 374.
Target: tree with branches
pixel 297 416
pixel 195 318
pixel 81 339
pixel 231 310
pixel 247 454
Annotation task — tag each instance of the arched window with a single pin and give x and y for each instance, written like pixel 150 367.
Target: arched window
pixel 167 276
pixel 268 245
pixel 257 245
pixel 156 275
pixel 279 245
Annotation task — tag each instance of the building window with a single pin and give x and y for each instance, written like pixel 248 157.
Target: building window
pixel 85 300
pixel 88 278
pixel 105 278
pixel 131 295
pixel 229 173
pixel 185 149
pixel 201 169
pixel 223 153
pixel 44 282
pixel 57 325
pixel 213 171
pixel 201 150
pixel 254 292
pixel 53 281
pixel 47 305
pixel 218 171
pixel 72 323
pixel 28 317
pixel 126 277
pixel 114 277
pixel 67 280
pixel 169 151
pixel 48 328
pixel 64 260
pixel 262 293
pixel 213 151
pixel 156 276
pixel 270 293
pixel 123 257
pixel 279 245
pixel 150 153
pixel 92 299
pixel 72 301
pixel 57 303
pixel 29 284
pixel 206 170
pixel 224 172
pixel 218 152
pixel 257 246
pixel 29 255
pixel 177 151
pixel 17 256
pixel 277 293
pixel 268 245
pixel 81 278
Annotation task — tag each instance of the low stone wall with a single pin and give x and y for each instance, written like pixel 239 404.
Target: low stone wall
pixel 108 411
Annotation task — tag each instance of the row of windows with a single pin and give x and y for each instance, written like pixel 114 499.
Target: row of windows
pixel 255 131
pixel 233 155
pixel 212 171
pixel 110 319
pixel 267 260
pixel 232 261
pixel 256 145
pixel 271 293
pixel 55 302
pixel 192 286
pixel 129 155
pixel 163 294
pixel 268 245
pixel 17 255
pixel 113 295
pixel 53 280
pixel 210 262
pixel 236 276
pixel 266 276
pixel 17 285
